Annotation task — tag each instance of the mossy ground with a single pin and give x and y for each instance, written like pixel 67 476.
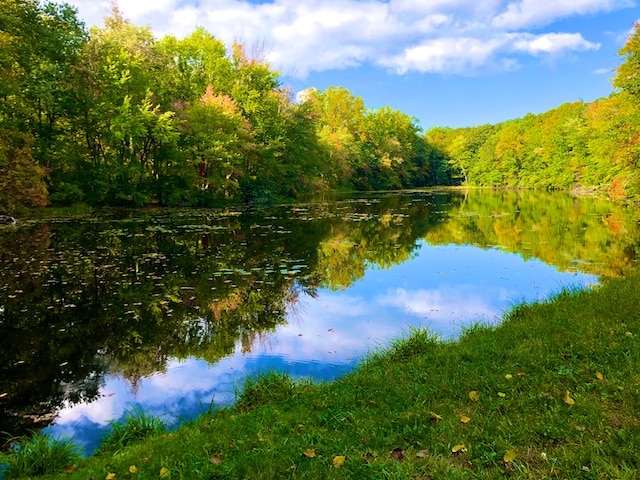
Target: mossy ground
pixel 558 392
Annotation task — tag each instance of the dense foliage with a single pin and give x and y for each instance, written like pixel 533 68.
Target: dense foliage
pixel 575 146
pixel 115 116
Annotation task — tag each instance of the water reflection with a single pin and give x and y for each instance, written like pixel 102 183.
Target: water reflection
pixel 169 310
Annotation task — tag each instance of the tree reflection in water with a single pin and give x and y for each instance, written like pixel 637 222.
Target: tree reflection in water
pixel 124 294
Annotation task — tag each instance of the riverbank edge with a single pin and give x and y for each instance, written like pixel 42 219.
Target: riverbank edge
pixel 552 391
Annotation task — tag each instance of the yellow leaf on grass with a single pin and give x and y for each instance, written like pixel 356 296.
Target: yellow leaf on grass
pixel 465 419
pixel 133 469
pixel 509 456
pixel 567 398
pixel 164 472
pixel 508 376
pixel 474 395
pixel 309 453
pixel 458 448
pixel 435 416
pixel 502 394
pixel 110 476
pixel 599 376
pixel 338 461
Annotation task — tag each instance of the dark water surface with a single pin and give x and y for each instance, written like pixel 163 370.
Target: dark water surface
pixel 170 310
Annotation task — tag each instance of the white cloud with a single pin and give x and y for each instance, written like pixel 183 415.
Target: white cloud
pixel 445 36
pixel 444 55
pixel 527 13
pixel 445 304
pixel 468 54
pixel 551 43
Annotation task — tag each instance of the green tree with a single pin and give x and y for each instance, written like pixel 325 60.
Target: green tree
pixel 39 47
pixel 21 178
pixel 218 139
pixel 628 74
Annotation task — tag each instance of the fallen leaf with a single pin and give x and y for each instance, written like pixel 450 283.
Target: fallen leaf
pixel 508 376
pixel 458 448
pixel 474 395
pixel 164 472
pixel 133 469
pixel 502 394
pixel 423 454
pixel 397 454
pixel 599 376
pixel 465 419
pixel 435 417
pixel 338 461
pixel 110 476
pixel 567 398
pixel 509 456
pixel 521 374
pixel 309 453
pixel 216 459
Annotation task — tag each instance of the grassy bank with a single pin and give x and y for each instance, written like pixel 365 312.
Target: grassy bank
pixel 552 392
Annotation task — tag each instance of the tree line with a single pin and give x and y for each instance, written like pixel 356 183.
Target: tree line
pixel 113 115
pixel 576 146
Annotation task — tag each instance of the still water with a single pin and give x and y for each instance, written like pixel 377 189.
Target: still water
pixel 169 311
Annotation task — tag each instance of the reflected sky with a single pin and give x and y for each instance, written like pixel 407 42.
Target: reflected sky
pixel 442 288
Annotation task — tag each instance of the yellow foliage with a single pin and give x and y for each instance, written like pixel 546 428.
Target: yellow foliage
pixel 458 448
pixel 509 456
pixel 567 398
pixel 309 453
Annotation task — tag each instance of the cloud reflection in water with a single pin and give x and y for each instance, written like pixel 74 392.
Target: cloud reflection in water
pixel 443 288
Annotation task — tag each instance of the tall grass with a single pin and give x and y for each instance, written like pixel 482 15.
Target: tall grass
pixel 136 426
pixel 38 455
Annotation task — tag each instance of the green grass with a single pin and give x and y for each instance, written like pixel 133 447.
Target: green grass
pixel 38 455
pixel 136 427
pixel 558 384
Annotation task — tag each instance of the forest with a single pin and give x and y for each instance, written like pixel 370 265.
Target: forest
pixel 113 115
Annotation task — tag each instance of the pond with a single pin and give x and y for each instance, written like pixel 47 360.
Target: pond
pixel 169 311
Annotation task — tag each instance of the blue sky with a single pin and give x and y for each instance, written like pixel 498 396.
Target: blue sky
pixel 446 62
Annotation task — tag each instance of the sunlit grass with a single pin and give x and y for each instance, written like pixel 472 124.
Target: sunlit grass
pixel 556 394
